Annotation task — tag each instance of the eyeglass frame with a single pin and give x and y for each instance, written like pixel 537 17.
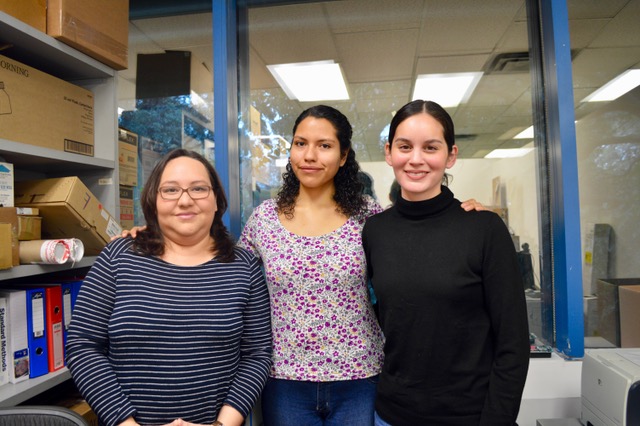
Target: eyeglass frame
pixel 183 190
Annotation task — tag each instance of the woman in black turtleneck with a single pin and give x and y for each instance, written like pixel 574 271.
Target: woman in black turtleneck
pixel 450 297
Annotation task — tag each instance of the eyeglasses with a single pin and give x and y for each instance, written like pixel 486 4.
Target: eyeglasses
pixel 173 193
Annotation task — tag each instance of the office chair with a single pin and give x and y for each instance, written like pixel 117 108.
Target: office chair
pixel 40 415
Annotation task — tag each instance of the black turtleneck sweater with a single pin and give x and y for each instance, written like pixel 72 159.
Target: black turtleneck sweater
pixel 452 308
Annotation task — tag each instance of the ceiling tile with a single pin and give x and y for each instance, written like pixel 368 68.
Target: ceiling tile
pixel 287 34
pixel 375 56
pixel 448 64
pixel 594 67
pixel 373 15
pixel 622 30
pixel 460 26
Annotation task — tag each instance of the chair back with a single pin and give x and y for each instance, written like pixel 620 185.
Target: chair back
pixel 40 415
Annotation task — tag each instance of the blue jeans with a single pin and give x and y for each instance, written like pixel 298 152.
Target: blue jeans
pixel 379 421
pixel 297 403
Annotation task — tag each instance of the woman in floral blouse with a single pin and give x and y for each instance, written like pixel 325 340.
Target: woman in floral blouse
pixel 327 345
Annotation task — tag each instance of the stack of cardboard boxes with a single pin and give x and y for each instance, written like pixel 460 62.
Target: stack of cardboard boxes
pixel 45 111
pixel 128 175
pixel 57 208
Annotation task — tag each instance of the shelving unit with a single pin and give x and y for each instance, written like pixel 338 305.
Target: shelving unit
pixel 99 173
pixel 34 48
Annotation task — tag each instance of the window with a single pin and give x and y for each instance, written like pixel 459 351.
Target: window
pixel 384 51
pixel 606 46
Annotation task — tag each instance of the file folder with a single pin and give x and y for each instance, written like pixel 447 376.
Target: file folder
pixel 17 340
pixel 4 355
pixel 37 332
pixel 70 292
pixel 53 321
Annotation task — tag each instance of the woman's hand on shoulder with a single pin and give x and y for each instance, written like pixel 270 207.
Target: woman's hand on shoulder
pixel 129 232
pixel 472 204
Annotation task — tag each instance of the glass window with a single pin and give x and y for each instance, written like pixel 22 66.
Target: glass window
pixel 606 46
pixel 382 48
pixel 166 94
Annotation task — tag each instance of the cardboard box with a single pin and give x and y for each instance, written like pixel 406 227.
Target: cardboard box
pixel 97 28
pixel 126 207
pixel 9 216
pixel 127 157
pixel 31 12
pixel 27 211
pixel 76 403
pixel 6 253
pixel 609 308
pixel 29 228
pixel 43 110
pixel 69 210
pixel 630 316
pixel 6 185
pixel 86 412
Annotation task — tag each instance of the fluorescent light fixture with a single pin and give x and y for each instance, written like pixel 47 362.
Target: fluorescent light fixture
pixel 449 90
pixel 617 87
pixel 525 134
pixel 311 81
pixel 508 153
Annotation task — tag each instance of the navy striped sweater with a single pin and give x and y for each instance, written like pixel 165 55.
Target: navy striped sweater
pixel 158 341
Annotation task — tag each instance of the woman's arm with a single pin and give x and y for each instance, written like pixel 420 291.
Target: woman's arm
pixel 88 343
pixel 255 345
pixel 505 302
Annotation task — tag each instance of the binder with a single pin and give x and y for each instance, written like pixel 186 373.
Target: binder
pixel 70 292
pixel 4 355
pixel 53 321
pixel 17 341
pixel 37 332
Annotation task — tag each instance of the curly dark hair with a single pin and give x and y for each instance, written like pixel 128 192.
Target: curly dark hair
pixel 348 187
pixel 150 241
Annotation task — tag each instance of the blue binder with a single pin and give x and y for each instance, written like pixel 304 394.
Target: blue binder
pixel 70 292
pixel 37 332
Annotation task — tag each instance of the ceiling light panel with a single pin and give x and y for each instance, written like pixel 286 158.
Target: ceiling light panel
pixel 311 81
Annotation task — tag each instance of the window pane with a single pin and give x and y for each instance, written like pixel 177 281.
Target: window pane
pixel 382 47
pixel 166 94
pixel 606 45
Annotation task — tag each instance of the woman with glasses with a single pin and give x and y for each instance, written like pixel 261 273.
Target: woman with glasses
pixel 173 327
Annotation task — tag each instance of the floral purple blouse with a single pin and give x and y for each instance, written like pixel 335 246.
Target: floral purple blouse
pixel 323 324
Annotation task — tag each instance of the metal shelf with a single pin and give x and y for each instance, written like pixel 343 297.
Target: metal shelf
pixel 12 394
pixel 23 271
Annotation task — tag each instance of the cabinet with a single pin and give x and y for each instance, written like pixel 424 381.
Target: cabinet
pixel 100 173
